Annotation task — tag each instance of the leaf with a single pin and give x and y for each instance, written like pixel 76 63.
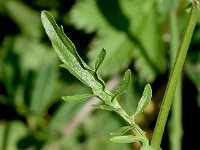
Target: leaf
pixel 25 17
pixel 67 53
pixel 62 116
pixel 83 75
pixel 125 139
pixel 150 58
pixel 80 16
pixel 100 59
pixel 43 89
pixel 192 70
pixel 77 98
pixel 122 130
pixel 168 6
pixel 144 101
pixel 11 132
pixel 63 45
pixel 32 54
pixel 118 54
pixel 138 37
pixel 104 107
pixel 123 87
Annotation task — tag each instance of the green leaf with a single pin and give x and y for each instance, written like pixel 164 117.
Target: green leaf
pixel 144 101
pixel 63 45
pixel 125 139
pixel 80 16
pixel 122 130
pixel 118 54
pixel 32 54
pixel 167 6
pixel 77 98
pixel 192 69
pixel 123 87
pixel 44 88
pixel 11 133
pixel 100 59
pixel 142 40
pixel 149 57
pixel 62 116
pixel 68 54
pixel 104 107
pixel 27 19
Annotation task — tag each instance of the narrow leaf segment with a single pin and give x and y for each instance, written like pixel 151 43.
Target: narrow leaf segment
pixel 104 107
pixel 77 98
pixel 123 87
pixel 100 59
pixel 144 101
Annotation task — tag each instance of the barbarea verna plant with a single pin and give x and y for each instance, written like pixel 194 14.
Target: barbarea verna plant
pixel 91 78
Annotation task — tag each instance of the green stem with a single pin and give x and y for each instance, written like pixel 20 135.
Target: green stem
pixel 174 76
pixel 6 136
pixel 176 132
pixel 175 124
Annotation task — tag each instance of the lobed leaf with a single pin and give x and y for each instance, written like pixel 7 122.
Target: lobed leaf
pixel 77 98
pixel 63 45
pixel 80 16
pixel 68 54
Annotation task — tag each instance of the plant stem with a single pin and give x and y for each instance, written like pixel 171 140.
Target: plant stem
pixel 175 123
pixel 6 136
pixel 176 132
pixel 174 76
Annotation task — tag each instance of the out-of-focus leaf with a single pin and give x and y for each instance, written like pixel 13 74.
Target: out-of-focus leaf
pixel 88 132
pixel 77 98
pixel 145 100
pixel 166 6
pixel 123 87
pixel 7 74
pixel 62 116
pixel 125 139
pixel 149 56
pixel 81 12
pixel 44 87
pixel 30 142
pixel 32 53
pixel 11 133
pixel 192 68
pixel 104 107
pixel 25 17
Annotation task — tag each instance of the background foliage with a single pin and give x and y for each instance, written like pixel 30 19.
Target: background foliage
pixel 136 35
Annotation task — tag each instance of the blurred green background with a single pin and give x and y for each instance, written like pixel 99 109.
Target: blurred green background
pixel 140 35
